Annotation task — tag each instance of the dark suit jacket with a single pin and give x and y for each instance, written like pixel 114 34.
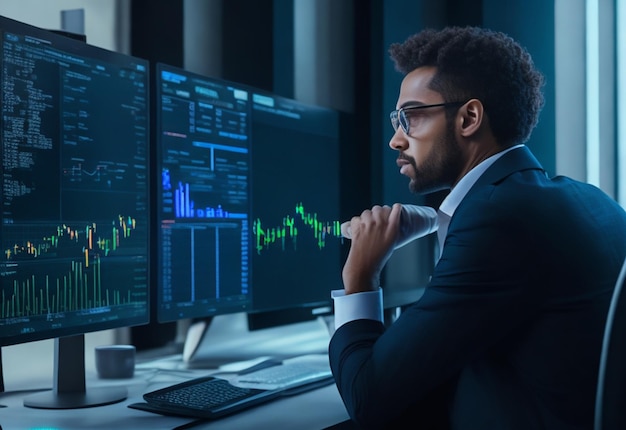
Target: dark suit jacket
pixel 509 330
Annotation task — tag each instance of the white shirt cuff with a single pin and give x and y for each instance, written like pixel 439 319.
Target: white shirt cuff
pixel 350 307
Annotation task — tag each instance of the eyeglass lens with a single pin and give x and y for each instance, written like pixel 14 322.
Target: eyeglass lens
pixel 399 119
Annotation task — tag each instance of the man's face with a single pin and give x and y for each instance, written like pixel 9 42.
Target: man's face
pixel 430 154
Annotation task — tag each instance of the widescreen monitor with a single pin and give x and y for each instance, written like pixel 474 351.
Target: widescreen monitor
pixel 296 240
pixel 74 226
pixel 202 137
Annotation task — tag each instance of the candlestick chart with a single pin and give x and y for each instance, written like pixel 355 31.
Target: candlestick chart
pixel 81 282
pixel 286 233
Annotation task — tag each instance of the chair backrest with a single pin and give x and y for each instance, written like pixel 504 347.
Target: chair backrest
pixel 610 410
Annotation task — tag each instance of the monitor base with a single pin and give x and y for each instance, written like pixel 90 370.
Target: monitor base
pixel 226 339
pixel 90 398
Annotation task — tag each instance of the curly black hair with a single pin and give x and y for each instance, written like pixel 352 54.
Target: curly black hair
pixel 473 62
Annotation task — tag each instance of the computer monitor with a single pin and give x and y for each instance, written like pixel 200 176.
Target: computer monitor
pixel 202 136
pixel 74 227
pixel 296 242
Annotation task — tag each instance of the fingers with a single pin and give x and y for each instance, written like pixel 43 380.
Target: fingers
pixel 410 221
pixel 373 234
pixel 377 212
pixel 376 217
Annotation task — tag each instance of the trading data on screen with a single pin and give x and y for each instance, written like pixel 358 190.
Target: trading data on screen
pixel 75 189
pixel 203 139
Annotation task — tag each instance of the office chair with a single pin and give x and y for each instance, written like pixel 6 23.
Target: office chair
pixel 610 410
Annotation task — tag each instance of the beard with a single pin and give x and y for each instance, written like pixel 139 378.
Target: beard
pixel 441 167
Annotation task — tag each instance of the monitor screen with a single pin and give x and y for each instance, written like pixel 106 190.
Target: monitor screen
pixel 202 133
pixel 296 244
pixel 74 224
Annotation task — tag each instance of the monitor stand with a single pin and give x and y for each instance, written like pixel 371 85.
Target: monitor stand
pixel 226 339
pixel 69 390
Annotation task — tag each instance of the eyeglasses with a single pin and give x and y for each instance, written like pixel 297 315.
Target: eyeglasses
pixel 399 118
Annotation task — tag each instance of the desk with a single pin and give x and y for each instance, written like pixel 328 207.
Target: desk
pixel 315 409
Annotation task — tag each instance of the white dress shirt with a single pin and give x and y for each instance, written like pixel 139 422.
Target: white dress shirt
pixel 369 305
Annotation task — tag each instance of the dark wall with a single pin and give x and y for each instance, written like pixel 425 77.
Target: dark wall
pixel 248 42
pixel 157 30
pixel 531 22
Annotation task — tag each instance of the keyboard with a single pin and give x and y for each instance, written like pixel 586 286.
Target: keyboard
pixel 213 397
pixel 204 397
pixel 284 376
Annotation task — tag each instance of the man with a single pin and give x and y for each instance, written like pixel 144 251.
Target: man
pixel 508 332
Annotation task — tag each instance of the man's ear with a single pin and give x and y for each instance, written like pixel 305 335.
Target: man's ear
pixel 470 117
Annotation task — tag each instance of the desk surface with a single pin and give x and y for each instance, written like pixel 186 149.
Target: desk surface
pixel 312 410
pixel 315 409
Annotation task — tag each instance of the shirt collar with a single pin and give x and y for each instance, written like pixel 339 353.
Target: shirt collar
pixel 460 190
